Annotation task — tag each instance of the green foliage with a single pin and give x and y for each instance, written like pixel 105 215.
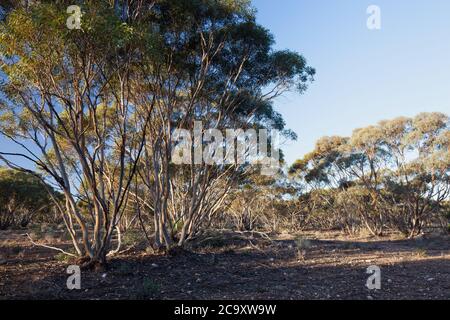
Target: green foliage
pixel 61 257
pixel 421 252
pixel 394 174
pixel 84 98
pixel 132 237
pixel 22 198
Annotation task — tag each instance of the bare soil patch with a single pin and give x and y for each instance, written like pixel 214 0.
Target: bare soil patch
pixel 233 266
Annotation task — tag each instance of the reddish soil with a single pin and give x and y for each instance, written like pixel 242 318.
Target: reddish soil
pixel 328 266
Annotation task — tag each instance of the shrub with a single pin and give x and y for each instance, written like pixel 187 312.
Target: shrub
pixel 23 197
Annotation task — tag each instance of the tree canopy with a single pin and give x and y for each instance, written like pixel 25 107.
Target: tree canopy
pixel 95 109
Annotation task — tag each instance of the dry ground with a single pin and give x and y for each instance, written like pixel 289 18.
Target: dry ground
pixel 307 266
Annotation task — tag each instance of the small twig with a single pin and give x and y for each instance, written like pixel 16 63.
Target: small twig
pixel 254 246
pixel 124 250
pixel 252 233
pixel 49 247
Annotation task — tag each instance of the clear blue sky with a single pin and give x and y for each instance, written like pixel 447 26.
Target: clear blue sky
pixel 363 76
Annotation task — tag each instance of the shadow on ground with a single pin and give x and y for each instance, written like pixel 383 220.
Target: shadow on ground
pixel 325 270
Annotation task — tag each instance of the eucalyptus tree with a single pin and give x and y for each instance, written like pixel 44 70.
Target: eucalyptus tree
pixel 91 108
pixel 326 176
pixel 393 174
pixel 66 104
pixel 218 68
pixel 417 181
